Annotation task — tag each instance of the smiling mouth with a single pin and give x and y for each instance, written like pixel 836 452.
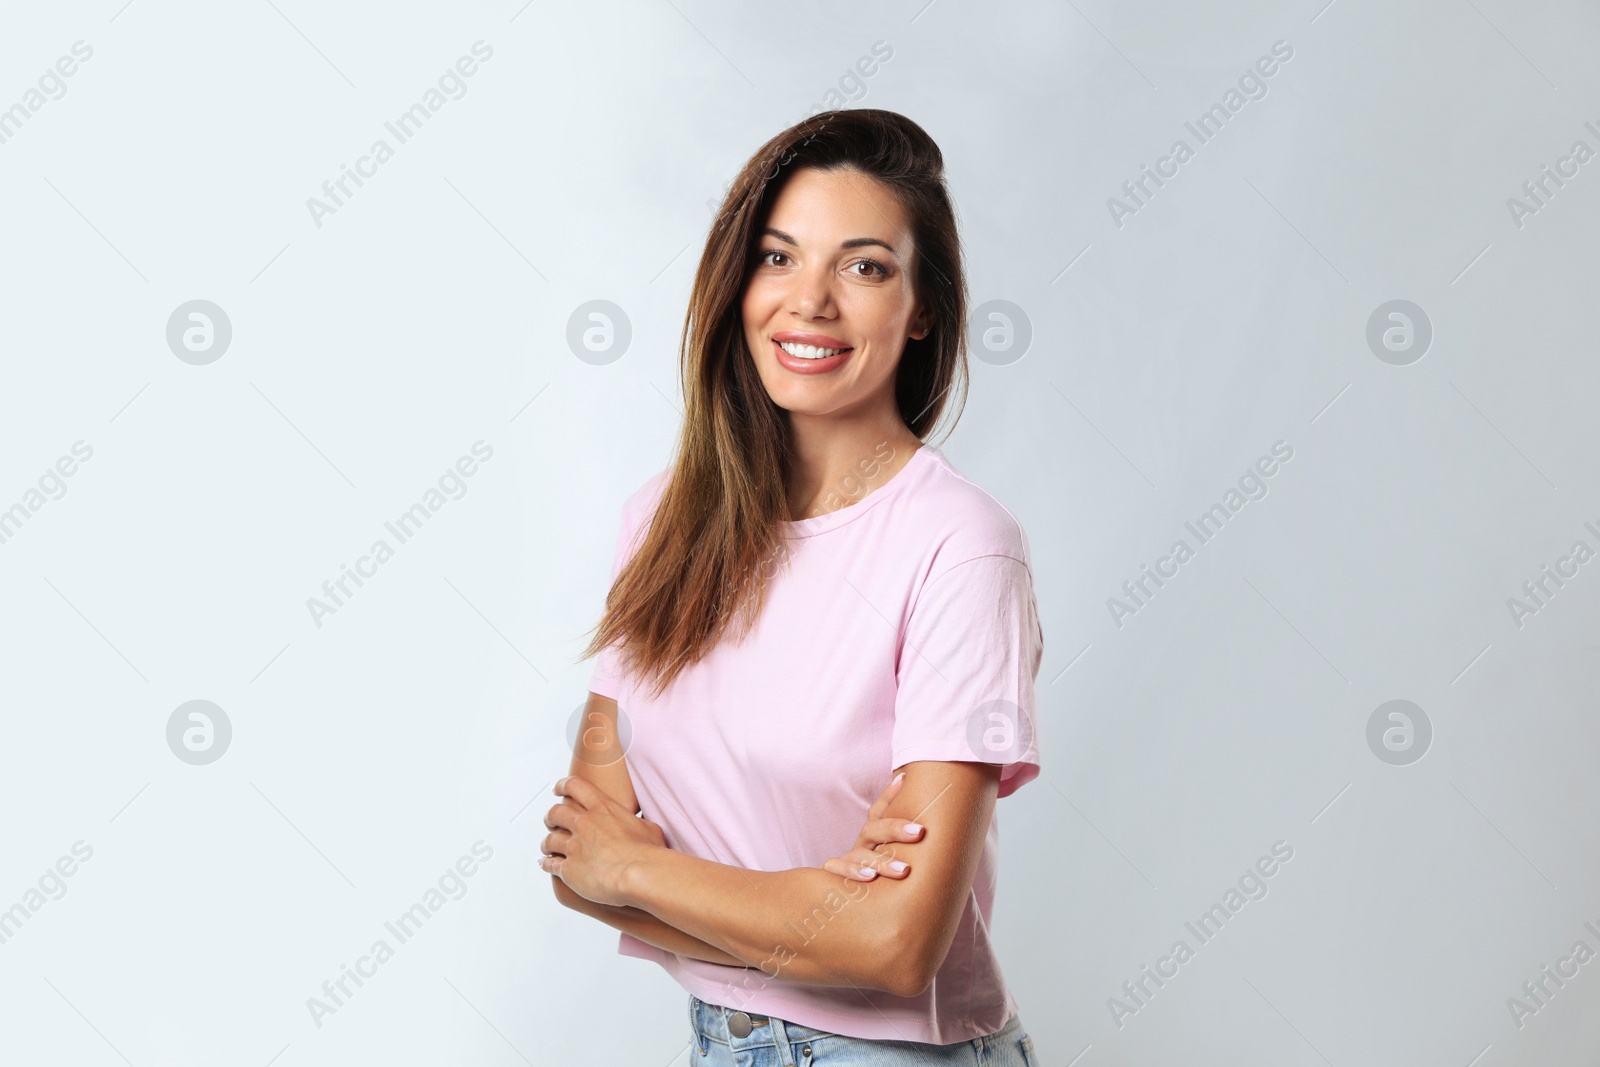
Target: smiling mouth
pixel 809 351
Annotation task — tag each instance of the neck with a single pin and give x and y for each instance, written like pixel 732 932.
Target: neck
pixel 836 468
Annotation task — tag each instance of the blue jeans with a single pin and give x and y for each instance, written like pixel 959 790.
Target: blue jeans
pixel 772 1042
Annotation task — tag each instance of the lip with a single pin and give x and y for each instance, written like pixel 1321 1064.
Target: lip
pixel 817 340
pixel 809 366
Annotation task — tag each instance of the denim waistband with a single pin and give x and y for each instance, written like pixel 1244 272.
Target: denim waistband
pixel 710 1023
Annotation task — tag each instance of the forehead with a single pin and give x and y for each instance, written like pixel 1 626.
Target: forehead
pixel 820 206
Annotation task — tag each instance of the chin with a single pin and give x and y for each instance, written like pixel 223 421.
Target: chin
pixel 796 405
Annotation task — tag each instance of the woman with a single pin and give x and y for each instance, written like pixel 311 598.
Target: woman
pixel 808 602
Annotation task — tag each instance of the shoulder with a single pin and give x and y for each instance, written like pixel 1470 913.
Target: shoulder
pixel 642 502
pixel 639 507
pixel 964 520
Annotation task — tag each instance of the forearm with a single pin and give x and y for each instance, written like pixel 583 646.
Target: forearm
pixel 645 927
pixel 818 928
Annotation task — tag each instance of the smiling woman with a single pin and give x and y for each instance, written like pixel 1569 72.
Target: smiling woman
pixel 825 701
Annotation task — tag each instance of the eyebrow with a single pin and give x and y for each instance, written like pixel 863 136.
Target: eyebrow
pixel 854 242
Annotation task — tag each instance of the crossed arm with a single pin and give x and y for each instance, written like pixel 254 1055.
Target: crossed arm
pixel 815 926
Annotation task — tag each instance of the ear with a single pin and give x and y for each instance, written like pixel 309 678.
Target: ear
pixel 921 324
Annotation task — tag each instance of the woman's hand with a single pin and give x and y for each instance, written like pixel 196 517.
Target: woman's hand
pixel 593 840
pixel 862 863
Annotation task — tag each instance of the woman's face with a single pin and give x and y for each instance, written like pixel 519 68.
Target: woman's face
pixel 833 272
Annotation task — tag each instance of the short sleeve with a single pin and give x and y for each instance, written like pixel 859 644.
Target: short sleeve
pixel 607 677
pixel 968 661
pixel 628 945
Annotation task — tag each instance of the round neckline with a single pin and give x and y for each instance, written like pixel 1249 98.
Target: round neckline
pixel 815 524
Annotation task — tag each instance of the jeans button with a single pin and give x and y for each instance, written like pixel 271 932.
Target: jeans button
pixel 739 1024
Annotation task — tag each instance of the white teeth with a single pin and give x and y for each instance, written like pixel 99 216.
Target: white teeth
pixel 808 351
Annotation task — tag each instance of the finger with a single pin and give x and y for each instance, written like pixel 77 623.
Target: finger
pixel 571 808
pixel 856 872
pixel 556 843
pixel 884 831
pixel 902 830
pixel 581 791
pixel 887 866
pixel 563 816
pixel 881 805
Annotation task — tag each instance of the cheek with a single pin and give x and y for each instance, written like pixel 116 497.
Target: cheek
pixel 879 330
pixel 759 304
pixel 878 313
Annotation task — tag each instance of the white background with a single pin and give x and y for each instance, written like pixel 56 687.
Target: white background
pixel 1168 354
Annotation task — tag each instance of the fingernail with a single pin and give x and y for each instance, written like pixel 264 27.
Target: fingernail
pixel 897 778
pixel 897 866
pixel 868 872
pixel 913 827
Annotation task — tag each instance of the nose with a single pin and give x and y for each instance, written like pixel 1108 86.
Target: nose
pixel 811 294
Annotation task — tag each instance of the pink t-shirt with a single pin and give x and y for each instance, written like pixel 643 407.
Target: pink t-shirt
pixel 902 628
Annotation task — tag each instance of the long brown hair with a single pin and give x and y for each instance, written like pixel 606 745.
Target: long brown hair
pixel 701 561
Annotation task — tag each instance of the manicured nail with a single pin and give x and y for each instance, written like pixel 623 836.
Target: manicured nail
pixel 913 828
pixel 897 866
pixel 897 778
pixel 868 873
